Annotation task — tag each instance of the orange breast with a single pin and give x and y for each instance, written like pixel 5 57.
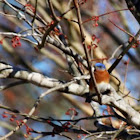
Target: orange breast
pixel 102 76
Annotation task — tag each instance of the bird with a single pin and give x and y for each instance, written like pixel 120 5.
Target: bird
pixel 102 78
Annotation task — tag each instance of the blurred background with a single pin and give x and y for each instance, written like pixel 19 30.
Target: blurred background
pixel 51 62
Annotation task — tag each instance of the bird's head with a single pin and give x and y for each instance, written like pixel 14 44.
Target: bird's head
pixel 99 66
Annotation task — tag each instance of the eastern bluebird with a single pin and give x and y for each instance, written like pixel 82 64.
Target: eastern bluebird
pixel 102 78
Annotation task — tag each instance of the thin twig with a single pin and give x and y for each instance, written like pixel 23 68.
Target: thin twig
pixel 121 28
pixel 56 21
pixel 113 55
pixel 35 12
pixel 52 11
pixel 93 17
